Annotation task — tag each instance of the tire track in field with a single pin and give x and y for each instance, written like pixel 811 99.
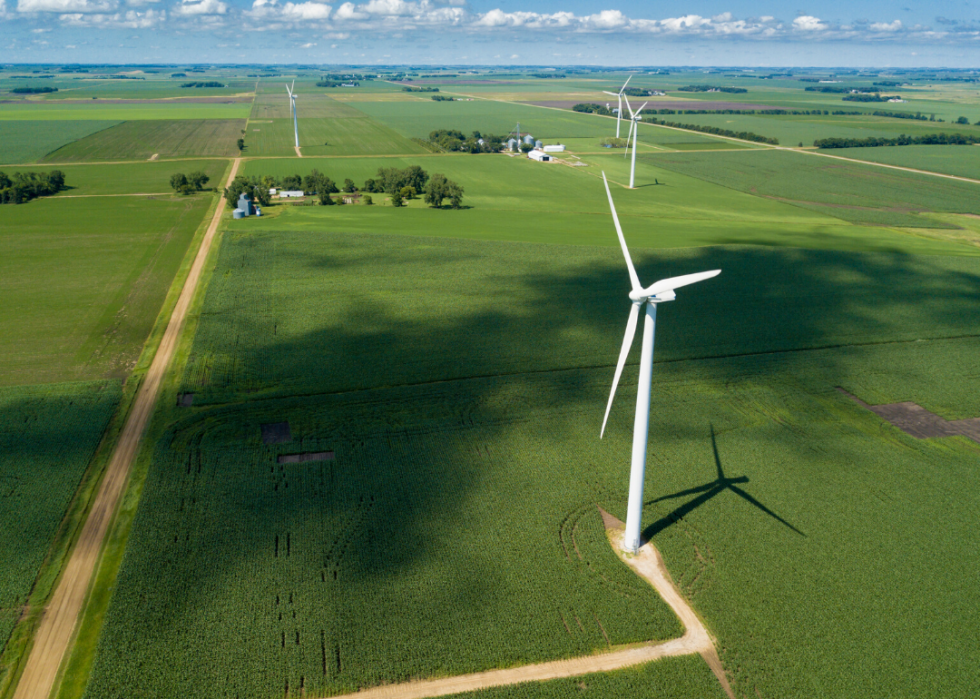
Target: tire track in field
pixel 649 565
pixel 60 617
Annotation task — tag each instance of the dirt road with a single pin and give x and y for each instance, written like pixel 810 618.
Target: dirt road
pixel 648 565
pixel 55 631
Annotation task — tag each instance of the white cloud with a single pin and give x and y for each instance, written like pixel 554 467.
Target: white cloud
pixel 607 19
pixel 189 8
pixel 349 11
pixel 807 23
pixel 389 7
pixel 886 26
pixel 305 11
pixel 131 19
pixel 62 6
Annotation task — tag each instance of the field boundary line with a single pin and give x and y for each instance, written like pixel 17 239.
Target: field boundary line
pixel 649 565
pixel 58 622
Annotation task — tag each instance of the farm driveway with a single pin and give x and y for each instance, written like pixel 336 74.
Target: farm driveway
pixel 58 623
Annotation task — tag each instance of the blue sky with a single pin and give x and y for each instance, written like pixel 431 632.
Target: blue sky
pixel 506 32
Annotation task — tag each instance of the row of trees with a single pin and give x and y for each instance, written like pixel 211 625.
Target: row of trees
pixel 453 140
pixel 591 108
pixel 203 83
pixel 712 88
pixel 187 184
pixel 24 186
pixel 935 139
pixel 866 97
pixel 744 135
pixel 33 90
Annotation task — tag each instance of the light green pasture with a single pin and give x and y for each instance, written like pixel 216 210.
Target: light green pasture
pixel 352 136
pixel 962 161
pixel 127 178
pixel 82 281
pixel 28 140
pixel 518 199
pixel 141 140
pixel 88 110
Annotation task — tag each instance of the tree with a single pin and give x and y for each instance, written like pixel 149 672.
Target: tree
pixel 962 120
pixel 415 177
pixel 396 199
pixel 407 192
pixel 349 186
pixel 436 191
pixel 197 180
pixel 368 201
pixel 526 148
pixel 455 195
pixel 371 186
pixel 178 181
pixel 241 144
pixel 292 182
pixel 325 198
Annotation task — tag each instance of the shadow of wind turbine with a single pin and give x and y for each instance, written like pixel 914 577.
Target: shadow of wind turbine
pixel 706 492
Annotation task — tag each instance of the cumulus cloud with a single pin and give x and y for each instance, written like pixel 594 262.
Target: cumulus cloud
pixel 808 23
pixel 131 19
pixel 63 6
pixel 886 26
pixel 348 11
pixel 196 8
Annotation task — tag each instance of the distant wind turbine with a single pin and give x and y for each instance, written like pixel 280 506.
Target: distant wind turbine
pixel 647 299
pixel 292 110
pixel 619 96
pixel 634 118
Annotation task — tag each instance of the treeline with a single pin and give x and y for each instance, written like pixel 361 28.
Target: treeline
pixel 420 89
pixel 865 97
pixel 399 184
pixel 443 98
pixel 451 140
pixel 936 139
pixel 33 90
pixel 744 135
pixel 749 112
pixel 187 184
pixel 639 92
pixel 839 89
pixel 548 75
pixel 591 108
pixel 203 83
pixel 918 116
pixel 30 185
pixel 712 88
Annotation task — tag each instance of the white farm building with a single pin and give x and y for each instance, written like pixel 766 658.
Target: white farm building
pixel 554 149
pixel 540 156
pixel 290 193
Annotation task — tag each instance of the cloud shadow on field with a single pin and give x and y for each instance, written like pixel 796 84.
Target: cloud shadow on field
pixel 422 362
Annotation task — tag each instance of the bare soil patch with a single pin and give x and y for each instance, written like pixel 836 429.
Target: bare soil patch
pixel 303 458
pixel 918 422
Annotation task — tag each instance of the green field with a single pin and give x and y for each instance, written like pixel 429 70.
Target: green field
pixel 140 140
pixel 471 406
pixel 857 193
pixel 82 281
pixel 340 136
pixel 47 437
pixel 520 200
pixel 92 110
pixel 962 161
pixel 792 130
pixel 126 178
pixel 27 141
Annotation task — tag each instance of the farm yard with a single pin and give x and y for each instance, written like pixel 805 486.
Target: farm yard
pixel 374 455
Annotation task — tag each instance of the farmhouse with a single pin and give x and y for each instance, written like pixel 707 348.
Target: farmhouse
pixel 290 193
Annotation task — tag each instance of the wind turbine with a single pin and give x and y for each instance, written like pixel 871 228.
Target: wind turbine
pixel 634 117
pixel 647 299
pixel 619 96
pixel 292 110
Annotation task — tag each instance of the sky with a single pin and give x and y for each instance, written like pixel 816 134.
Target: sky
pixel 763 33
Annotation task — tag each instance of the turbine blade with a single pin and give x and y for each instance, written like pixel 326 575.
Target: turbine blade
pixel 640 110
pixel 677 282
pixel 628 107
pixel 623 353
pixel 634 280
pixel 626 83
pixel 610 93
pixel 752 501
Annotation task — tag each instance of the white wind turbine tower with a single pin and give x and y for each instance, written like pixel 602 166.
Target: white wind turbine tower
pixel 634 117
pixel 647 299
pixel 292 110
pixel 619 96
